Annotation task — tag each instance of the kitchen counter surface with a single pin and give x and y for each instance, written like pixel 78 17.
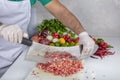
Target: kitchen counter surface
pixel 107 68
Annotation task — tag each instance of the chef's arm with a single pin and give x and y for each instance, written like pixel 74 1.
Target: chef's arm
pixel 65 16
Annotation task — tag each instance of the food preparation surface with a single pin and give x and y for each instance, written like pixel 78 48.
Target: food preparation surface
pixel 38 74
pixel 96 69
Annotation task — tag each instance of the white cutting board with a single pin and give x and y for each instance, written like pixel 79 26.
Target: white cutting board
pixel 41 75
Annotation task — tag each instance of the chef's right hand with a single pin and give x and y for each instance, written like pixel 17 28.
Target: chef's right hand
pixel 12 33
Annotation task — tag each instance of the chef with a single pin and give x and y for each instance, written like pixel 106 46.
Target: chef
pixel 14 19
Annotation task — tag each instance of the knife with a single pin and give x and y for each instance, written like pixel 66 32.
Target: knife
pixel 37 51
pixel 33 50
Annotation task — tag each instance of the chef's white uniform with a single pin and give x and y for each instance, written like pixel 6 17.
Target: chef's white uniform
pixel 13 12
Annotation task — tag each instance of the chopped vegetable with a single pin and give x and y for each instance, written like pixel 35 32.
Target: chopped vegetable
pixel 52 44
pixel 45 32
pixel 53 25
pixel 55 35
pixel 55 40
pixel 49 38
pixel 45 41
pixel 62 40
pixel 54 31
pixel 57 44
pixel 35 38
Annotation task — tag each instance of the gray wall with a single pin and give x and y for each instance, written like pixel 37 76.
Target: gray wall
pixel 99 17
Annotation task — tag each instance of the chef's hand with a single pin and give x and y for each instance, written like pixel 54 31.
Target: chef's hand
pixel 12 33
pixel 87 42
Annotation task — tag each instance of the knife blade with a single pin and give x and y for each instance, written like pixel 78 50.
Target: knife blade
pixel 37 51
pixel 34 53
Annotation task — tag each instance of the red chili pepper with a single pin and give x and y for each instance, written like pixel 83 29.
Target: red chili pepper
pixel 103 44
pixel 103 49
pixel 102 53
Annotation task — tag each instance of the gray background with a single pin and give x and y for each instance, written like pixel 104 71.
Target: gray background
pixel 99 17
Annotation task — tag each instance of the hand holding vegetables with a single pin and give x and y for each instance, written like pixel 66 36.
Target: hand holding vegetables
pixel 87 42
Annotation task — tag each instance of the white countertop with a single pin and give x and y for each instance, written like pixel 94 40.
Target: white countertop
pixel 107 68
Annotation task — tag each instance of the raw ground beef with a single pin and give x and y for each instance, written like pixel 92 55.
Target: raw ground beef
pixel 62 64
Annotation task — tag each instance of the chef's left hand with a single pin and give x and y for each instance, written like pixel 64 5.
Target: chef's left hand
pixel 87 42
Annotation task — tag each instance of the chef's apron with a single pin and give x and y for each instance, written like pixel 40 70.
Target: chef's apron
pixel 13 12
